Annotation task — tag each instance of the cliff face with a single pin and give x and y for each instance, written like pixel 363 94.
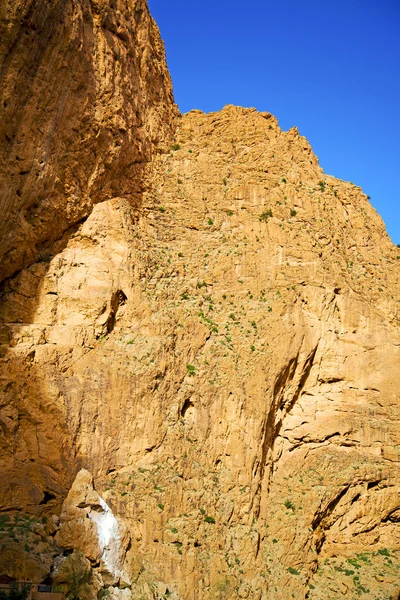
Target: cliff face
pixel 85 100
pixel 219 353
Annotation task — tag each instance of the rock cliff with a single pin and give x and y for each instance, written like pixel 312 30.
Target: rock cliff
pixel 85 100
pixel 213 356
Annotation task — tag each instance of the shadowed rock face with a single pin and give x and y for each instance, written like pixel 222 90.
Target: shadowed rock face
pixel 221 353
pixel 85 101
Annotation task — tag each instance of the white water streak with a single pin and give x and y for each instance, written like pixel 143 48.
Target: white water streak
pixel 109 537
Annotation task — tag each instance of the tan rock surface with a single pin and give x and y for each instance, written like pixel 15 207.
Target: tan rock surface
pixel 231 382
pixel 218 344
pixel 85 100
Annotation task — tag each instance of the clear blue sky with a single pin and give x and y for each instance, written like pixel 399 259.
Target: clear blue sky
pixel 329 67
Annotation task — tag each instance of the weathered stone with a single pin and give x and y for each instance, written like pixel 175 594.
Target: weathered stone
pixel 85 101
pixel 88 524
pixel 223 356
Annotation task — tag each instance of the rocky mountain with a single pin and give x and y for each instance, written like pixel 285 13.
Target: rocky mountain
pixel 199 335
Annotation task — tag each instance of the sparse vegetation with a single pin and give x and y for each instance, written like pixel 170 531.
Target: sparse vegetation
pixel 209 519
pixel 191 370
pixel 178 546
pixel 289 504
pixel 16 591
pixel 265 215
pixel 74 577
pixel 201 284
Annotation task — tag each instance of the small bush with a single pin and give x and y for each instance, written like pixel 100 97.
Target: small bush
pixel 162 209
pixel 283 180
pixel 293 571
pixel 176 147
pixel 265 215
pixel 191 370
pixel 293 212
pixel 178 546
pixel 209 519
pixel 289 504
pixel 210 222
pixel 160 505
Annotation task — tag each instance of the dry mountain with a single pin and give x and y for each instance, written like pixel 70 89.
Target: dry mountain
pixel 199 335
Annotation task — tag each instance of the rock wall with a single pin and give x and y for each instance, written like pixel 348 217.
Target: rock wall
pixel 207 325
pixel 224 361
pixel 85 100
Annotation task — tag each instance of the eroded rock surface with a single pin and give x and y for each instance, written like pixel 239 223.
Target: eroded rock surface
pixel 216 343
pixel 85 101
pixel 225 362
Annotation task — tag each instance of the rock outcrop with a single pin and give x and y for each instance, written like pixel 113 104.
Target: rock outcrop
pixel 89 525
pixel 221 356
pixel 85 101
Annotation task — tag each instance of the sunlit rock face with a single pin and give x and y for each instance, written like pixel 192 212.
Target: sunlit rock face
pixel 225 363
pixel 215 341
pixel 85 101
pixel 88 524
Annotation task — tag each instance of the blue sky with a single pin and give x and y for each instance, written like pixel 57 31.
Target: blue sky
pixel 331 68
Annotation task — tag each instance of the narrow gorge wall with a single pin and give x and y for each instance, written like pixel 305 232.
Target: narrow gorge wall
pixel 219 353
pixel 85 101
